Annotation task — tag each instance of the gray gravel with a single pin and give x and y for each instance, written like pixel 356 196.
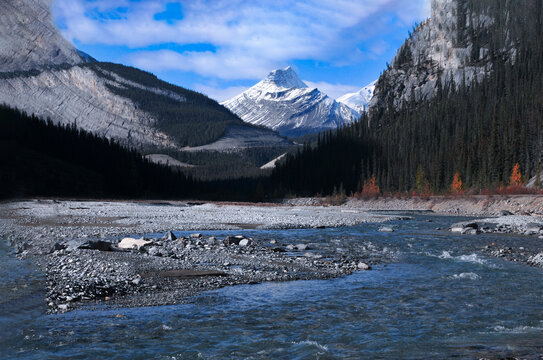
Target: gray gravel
pixel 75 243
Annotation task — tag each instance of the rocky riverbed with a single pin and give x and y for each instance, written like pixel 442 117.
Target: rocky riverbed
pixel 508 224
pixel 125 254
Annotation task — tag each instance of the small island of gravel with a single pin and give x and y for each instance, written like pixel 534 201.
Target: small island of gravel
pixel 79 247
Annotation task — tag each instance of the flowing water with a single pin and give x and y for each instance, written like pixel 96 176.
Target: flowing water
pixel 436 296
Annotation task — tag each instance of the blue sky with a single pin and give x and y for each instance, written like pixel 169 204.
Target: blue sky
pixel 222 47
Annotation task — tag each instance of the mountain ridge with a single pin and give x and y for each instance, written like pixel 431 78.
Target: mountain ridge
pixel 284 103
pixel 43 74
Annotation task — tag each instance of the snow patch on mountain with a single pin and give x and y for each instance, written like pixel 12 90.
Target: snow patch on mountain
pixel 284 103
pixel 359 100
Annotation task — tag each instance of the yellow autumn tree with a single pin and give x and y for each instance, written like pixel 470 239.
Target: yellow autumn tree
pixel 516 176
pixel 457 186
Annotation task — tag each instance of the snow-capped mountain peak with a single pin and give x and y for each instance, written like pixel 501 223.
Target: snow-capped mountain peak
pixel 359 100
pixel 286 104
pixel 283 78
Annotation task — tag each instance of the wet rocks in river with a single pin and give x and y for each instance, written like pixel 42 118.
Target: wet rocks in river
pixel 533 229
pixel 470 228
pixel 386 229
pixel 363 266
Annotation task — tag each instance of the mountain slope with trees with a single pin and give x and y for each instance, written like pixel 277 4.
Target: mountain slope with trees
pixel 478 130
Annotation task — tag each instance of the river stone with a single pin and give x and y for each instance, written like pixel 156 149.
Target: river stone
pixel 97 245
pixel 363 266
pixel 462 227
pixel 231 240
pixel 302 247
pixel 386 229
pixel 169 236
pixel 244 242
pixel 131 243
pixel 537 259
pixel 154 251
pixel 58 246
pixel 195 236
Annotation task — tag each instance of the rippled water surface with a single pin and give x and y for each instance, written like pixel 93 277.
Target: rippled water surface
pixel 436 297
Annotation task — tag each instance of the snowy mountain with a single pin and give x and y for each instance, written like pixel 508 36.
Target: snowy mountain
pixel 359 100
pixel 286 104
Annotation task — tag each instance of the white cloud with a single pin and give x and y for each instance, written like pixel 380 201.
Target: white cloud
pixel 333 90
pixel 251 37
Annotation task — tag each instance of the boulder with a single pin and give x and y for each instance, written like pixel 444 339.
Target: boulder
pixel 59 246
pixel 302 247
pixel 169 236
pixel 232 240
pixel 131 243
pixel 363 266
pixel 537 260
pixel 99 245
pixel 386 229
pixel 195 236
pixel 533 229
pixel 464 227
pixel 505 213
pixel 244 242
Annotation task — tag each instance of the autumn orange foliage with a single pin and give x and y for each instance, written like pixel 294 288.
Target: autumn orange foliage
pixel 457 186
pixel 370 188
pixel 516 176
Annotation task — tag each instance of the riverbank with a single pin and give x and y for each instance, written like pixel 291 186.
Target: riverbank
pixel 475 205
pixel 79 247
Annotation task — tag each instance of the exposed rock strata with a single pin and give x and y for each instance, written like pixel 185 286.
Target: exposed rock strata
pixel 29 39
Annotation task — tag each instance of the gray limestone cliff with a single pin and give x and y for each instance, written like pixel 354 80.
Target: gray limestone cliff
pixel 30 40
pixel 451 48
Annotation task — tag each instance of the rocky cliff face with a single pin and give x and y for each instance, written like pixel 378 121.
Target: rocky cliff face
pixel 452 47
pixel 284 103
pixel 80 95
pixel 29 39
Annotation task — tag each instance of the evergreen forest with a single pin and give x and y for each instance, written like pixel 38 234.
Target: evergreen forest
pixel 478 131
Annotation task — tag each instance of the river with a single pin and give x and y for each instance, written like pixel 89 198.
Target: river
pixel 434 296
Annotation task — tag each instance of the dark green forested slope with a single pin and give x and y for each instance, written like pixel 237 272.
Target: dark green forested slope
pixel 39 158
pixel 198 120
pixel 479 130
